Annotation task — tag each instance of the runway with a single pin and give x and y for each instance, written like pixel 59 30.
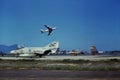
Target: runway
pixel 58 75
pixel 61 57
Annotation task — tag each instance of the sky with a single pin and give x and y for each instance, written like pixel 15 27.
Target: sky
pixel 80 23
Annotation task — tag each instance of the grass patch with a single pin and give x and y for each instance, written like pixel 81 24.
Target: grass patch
pixel 65 64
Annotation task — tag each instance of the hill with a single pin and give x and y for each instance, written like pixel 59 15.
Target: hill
pixel 6 49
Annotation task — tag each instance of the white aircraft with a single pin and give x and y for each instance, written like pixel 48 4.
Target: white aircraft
pixel 49 29
pixel 36 51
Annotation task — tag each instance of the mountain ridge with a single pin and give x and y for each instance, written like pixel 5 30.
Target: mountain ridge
pixel 6 49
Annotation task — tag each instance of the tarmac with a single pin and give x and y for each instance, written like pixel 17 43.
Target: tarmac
pixel 15 74
pixel 62 57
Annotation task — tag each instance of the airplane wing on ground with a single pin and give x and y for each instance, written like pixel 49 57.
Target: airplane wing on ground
pixel 45 53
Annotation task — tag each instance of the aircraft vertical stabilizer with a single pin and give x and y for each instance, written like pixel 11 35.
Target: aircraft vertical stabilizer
pixel 53 45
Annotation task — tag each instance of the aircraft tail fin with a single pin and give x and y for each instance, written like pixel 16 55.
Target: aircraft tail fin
pixel 53 46
pixel 94 50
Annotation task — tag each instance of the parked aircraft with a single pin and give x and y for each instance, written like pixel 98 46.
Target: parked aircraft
pixel 36 51
pixel 49 29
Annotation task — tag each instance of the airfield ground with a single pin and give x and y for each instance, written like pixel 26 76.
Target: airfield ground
pixel 58 75
pixel 62 63
pixel 62 57
pixel 60 68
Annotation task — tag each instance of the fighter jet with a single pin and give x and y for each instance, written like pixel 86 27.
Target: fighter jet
pixel 49 29
pixel 36 51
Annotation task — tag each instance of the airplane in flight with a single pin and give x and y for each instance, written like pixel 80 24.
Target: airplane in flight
pixel 36 51
pixel 49 29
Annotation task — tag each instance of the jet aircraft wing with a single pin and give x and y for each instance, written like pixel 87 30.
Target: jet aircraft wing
pixel 49 32
pixel 47 27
